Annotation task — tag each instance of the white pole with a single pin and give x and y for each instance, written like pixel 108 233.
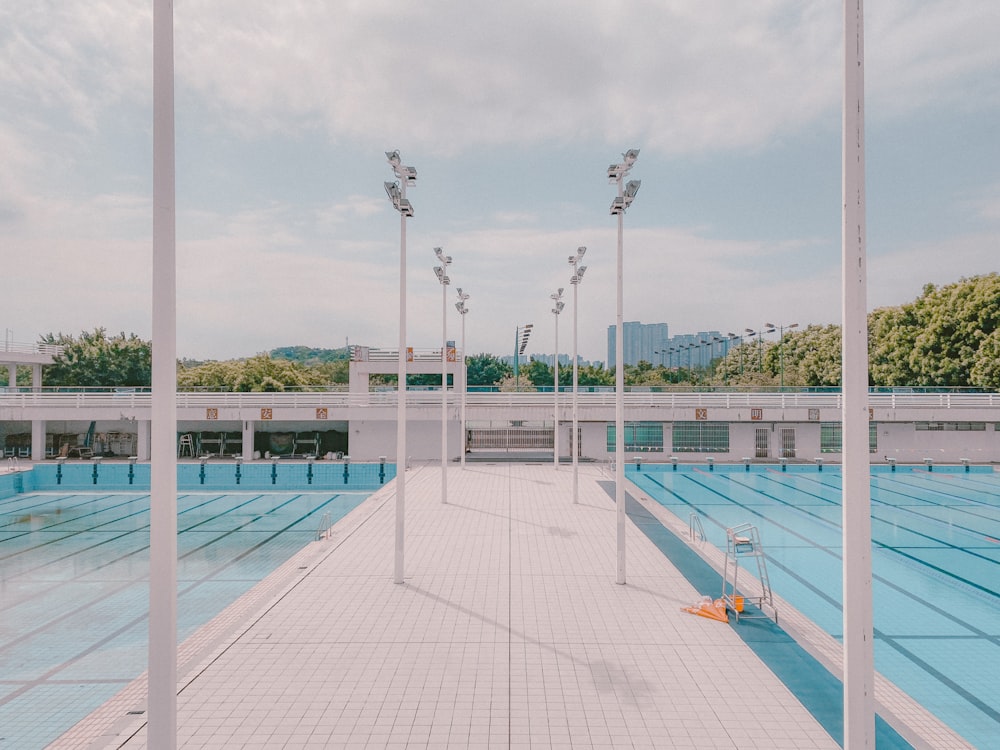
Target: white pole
pixel 444 388
pixel 401 401
pixel 555 378
pixel 162 697
pixel 465 388
pixel 620 397
pixel 574 448
pixel 859 699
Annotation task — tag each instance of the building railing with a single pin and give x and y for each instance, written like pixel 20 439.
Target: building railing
pixel 141 398
pixel 20 347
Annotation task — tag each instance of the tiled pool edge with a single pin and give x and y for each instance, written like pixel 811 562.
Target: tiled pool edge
pixel 125 713
pixel 910 719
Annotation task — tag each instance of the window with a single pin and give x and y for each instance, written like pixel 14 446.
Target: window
pixel 642 437
pixel 831 437
pixel 949 426
pixel 701 437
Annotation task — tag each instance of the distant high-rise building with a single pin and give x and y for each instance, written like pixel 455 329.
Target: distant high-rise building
pixel 651 342
pixel 640 342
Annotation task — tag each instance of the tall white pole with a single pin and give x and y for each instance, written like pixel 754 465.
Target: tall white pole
pixel 859 699
pixel 397 576
pixel 574 448
pixel 620 396
pixel 162 698
pixel 444 389
pixel 465 387
pixel 555 392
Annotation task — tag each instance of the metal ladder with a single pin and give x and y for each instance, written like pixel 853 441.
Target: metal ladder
pixel 744 541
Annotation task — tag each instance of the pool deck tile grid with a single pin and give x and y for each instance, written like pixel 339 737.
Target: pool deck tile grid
pixel 509 631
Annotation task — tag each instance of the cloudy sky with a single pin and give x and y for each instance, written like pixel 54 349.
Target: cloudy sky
pixel 511 113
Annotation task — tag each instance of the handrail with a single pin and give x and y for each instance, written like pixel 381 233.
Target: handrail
pixel 141 398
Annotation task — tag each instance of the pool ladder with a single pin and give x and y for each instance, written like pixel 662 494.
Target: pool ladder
pixel 323 532
pixel 743 541
pixel 696 532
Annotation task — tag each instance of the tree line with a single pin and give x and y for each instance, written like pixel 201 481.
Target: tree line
pixel 948 337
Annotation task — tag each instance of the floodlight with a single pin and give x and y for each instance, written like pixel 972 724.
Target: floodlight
pixel 392 190
pixel 630 156
pixel 462 295
pixel 446 259
pixel 631 189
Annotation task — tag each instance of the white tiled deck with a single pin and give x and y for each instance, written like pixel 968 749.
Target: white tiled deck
pixel 509 631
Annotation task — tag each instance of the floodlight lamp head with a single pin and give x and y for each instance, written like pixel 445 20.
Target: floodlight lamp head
pixel 631 189
pixel 445 259
pixel 393 157
pixel 580 271
pixel 462 295
pixel 439 272
pixel 630 156
pixel 748 330
pixel 392 190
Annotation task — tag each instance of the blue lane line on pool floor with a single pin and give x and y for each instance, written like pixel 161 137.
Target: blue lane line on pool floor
pixel 810 682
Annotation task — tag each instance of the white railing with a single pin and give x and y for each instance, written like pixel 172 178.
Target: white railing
pixel 20 347
pixel 501 400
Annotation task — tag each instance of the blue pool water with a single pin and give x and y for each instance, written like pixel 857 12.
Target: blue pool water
pixel 74 572
pixel 935 560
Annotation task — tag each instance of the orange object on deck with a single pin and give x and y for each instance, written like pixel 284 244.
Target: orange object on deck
pixel 713 610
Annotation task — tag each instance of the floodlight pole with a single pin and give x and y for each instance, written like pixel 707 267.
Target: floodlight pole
pixel 576 280
pixel 463 311
pixel 859 671
pixel 442 274
pixel 162 659
pixel 781 351
pixel 557 299
pixel 400 203
pixel 616 173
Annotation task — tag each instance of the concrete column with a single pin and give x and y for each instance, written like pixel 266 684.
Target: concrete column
pixel 12 375
pixel 142 439
pixel 36 377
pixel 249 427
pixel 38 440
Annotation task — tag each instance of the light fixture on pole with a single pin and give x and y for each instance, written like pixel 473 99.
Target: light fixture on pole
pixel 781 350
pixel 521 336
pixel 559 305
pixel 463 311
pixel 406 177
pixel 575 280
pixel 626 194
pixel 442 276
pixel 768 328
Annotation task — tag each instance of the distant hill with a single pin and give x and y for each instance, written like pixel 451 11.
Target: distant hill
pixel 308 356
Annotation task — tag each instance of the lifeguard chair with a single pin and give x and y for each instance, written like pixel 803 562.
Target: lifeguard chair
pixel 743 541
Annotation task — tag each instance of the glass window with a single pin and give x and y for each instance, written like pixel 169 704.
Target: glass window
pixel 641 437
pixel 831 437
pixel 701 437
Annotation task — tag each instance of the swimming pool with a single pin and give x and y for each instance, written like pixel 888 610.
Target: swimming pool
pixel 935 561
pixel 74 572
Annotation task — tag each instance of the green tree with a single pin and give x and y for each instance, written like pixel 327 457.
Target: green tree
pixel 485 369
pixel 537 373
pixel 94 359
pixel 259 373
